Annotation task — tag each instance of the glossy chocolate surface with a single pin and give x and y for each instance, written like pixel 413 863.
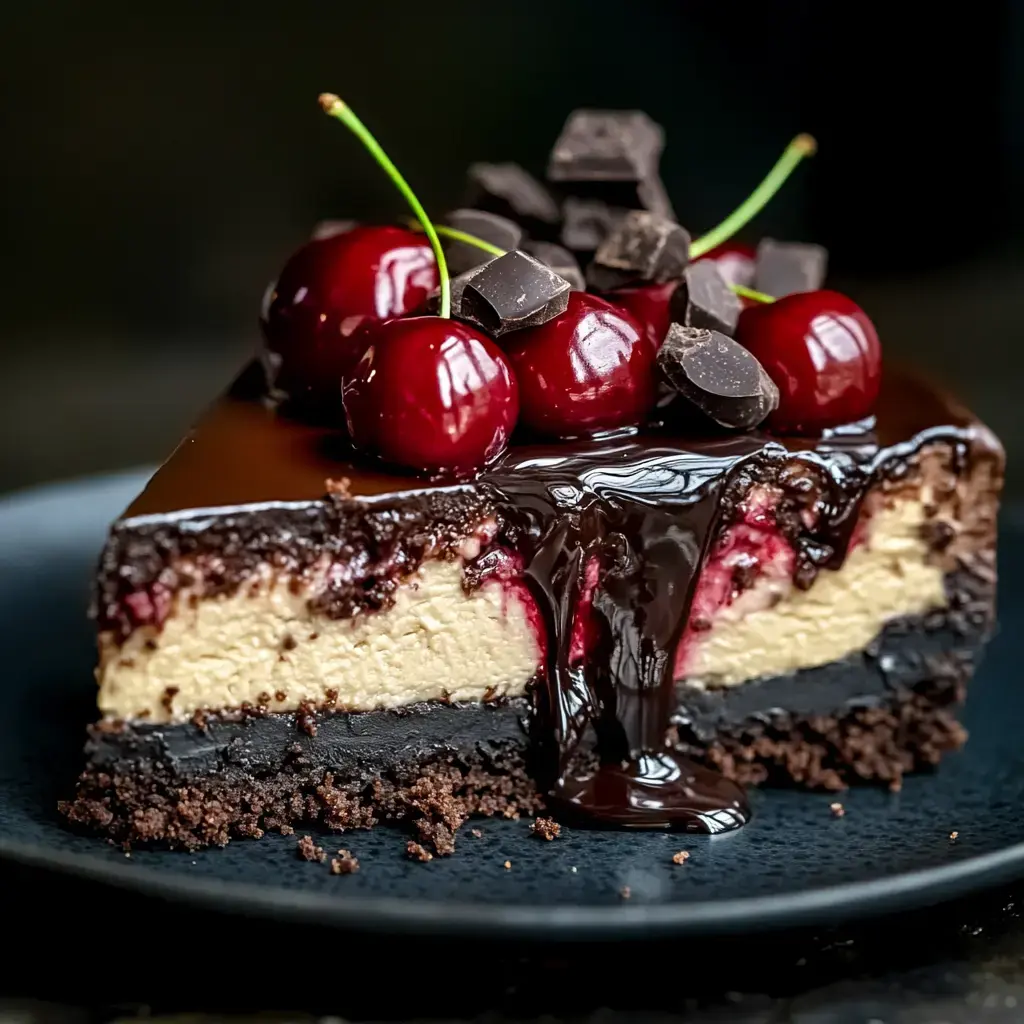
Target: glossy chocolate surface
pixel 612 534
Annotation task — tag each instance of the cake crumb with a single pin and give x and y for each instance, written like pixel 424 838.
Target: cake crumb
pixel 418 852
pixel 625 892
pixel 308 850
pixel 167 700
pixel 344 863
pixel 288 642
pixel 475 833
pixel 681 857
pixel 546 828
pixel 508 865
pixel 341 488
pixel 952 836
pixel 838 810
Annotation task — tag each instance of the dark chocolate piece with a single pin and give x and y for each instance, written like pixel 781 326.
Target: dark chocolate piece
pixel 512 292
pixel 705 300
pixel 724 380
pixel 330 228
pixel 785 268
pixel 647 247
pixel 560 260
pixel 587 222
pixel 499 231
pixel 607 145
pixel 611 155
pixel 508 190
pixel 605 279
pixel 457 286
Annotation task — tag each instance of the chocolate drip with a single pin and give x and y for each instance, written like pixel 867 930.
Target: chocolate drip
pixel 612 542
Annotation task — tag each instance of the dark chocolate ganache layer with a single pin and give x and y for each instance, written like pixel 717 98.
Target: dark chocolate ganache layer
pixel 609 536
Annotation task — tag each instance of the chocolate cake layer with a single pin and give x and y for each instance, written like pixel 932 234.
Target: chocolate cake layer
pixel 611 534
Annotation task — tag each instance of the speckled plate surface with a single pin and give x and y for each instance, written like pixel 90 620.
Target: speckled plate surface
pixel 794 864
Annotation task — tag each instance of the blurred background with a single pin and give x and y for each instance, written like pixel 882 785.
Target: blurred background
pixel 162 161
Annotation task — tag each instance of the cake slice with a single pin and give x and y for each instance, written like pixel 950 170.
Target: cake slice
pixel 284 634
pixel 615 555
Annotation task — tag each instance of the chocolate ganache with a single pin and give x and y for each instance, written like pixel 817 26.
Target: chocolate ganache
pixel 611 535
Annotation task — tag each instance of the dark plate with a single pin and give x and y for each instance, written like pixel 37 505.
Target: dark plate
pixel 794 864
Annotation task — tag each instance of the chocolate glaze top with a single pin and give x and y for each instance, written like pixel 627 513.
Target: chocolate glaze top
pixel 611 535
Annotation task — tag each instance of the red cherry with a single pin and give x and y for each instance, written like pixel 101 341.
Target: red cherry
pixel 325 292
pixel 822 351
pixel 587 370
pixel 431 394
pixel 648 304
pixel 735 260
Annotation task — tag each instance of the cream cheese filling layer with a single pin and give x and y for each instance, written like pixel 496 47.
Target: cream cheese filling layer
pixel 267 647
pixel 774 629
pixel 263 645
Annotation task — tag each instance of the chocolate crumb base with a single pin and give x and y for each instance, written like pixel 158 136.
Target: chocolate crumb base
pixel 879 743
pixel 876 743
pixel 433 798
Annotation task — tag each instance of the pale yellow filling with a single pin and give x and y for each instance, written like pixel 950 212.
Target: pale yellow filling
pixel 437 642
pixel 773 628
pixel 434 643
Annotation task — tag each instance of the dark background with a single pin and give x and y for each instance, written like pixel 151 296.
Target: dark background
pixel 161 161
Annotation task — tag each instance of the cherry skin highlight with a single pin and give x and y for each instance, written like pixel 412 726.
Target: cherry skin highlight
pixel 326 291
pixel 431 394
pixel 822 351
pixel 590 369
pixel 649 305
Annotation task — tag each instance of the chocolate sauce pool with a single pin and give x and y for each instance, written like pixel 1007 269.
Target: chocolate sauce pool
pixel 632 516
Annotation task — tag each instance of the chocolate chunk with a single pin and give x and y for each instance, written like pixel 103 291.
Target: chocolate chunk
pixel 607 145
pixel 512 292
pixel 457 286
pixel 705 300
pixel 329 228
pixel 647 247
pixel 510 191
pixel 612 155
pixel 499 231
pixel 718 375
pixel 560 260
pixel 784 268
pixel 587 222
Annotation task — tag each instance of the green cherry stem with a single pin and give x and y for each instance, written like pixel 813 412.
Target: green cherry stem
pixel 336 108
pixel 748 293
pixel 463 236
pixel 800 147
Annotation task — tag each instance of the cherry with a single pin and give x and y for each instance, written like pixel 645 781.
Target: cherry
pixel 432 394
pixel 649 305
pixel 587 370
pixel 735 260
pixel 327 290
pixel 428 393
pixel 822 351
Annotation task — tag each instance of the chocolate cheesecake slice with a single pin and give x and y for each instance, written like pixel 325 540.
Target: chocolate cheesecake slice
pixel 623 629
pixel 618 555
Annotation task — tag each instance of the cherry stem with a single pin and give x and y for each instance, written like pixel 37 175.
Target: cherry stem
pixel 335 107
pixel 801 146
pixel 463 236
pixel 749 293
